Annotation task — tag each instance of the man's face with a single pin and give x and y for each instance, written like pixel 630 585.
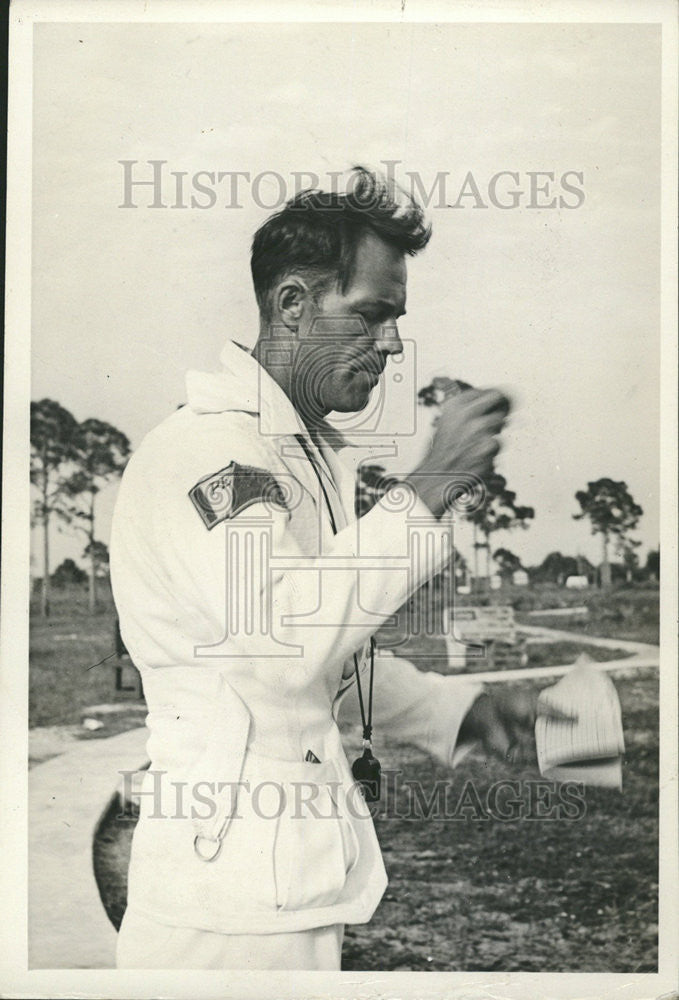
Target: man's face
pixel 350 335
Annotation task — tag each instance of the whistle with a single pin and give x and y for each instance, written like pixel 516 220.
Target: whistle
pixel 367 773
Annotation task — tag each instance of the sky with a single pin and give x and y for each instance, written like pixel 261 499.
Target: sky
pixel 558 305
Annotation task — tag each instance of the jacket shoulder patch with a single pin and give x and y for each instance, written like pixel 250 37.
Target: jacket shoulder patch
pixel 226 493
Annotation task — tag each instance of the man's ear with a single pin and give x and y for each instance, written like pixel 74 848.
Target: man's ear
pixel 290 299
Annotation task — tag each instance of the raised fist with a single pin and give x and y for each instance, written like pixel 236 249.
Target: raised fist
pixel 465 442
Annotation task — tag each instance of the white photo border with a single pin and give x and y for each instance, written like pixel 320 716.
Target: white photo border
pixel 15 980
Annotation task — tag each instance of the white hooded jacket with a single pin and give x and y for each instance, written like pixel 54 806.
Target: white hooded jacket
pixel 244 587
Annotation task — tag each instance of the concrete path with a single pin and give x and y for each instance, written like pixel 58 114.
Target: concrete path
pixel 67 925
pixel 630 664
pixel 642 656
pixel 542 634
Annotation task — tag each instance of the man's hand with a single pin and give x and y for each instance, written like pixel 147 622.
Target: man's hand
pixel 464 442
pixel 503 718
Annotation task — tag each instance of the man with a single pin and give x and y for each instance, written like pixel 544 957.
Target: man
pixel 247 594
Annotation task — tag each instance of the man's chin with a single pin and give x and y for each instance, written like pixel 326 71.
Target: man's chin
pixel 351 393
pixel 354 401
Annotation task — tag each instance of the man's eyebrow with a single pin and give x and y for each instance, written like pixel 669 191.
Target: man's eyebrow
pixel 385 303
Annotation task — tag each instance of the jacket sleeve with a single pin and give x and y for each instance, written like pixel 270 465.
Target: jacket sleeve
pixel 245 588
pixel 413 706
pixel 258 590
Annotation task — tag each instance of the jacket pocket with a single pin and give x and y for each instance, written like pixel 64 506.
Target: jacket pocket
pixel 315 849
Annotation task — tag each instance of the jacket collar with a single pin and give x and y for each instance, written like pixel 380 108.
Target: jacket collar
pixel 244 385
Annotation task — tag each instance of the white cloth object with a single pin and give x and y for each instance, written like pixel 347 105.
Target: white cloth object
pixel 590 748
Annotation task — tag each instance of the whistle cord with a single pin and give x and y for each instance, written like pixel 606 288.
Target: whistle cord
pixel 319 477
pixel 367 725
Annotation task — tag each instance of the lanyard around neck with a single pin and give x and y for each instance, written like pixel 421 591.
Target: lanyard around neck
pixel 312 459
pixel 366 770
pixel 366 721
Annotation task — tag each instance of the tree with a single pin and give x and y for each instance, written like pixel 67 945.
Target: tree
pixel 556 568
pixel 585 568
pixel 97 553
pixel 612 512
pixel 630 559
pixel 372 482
pixel 458 566
pixel 53 431
pixel 102 452
pixel 68 573
pixel 653 564
pixel 500 512
pixel 507 562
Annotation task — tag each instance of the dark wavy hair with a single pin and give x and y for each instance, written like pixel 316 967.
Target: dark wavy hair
pixel 317 233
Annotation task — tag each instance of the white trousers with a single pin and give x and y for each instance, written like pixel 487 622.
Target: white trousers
pixel 146 944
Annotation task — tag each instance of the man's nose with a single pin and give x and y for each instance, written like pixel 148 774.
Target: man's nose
pixel 388 340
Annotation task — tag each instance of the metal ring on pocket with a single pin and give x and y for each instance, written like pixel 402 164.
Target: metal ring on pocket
pixel 216 847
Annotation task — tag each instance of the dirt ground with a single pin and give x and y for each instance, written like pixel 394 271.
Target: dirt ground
pixel 557 894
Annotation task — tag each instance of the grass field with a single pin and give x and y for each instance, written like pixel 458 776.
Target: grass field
pixel 534 895
pixel 66 672
pixel 470 892
pixel 628 612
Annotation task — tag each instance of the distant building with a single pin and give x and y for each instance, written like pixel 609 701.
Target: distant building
pixel 520 578
pixel 577 583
